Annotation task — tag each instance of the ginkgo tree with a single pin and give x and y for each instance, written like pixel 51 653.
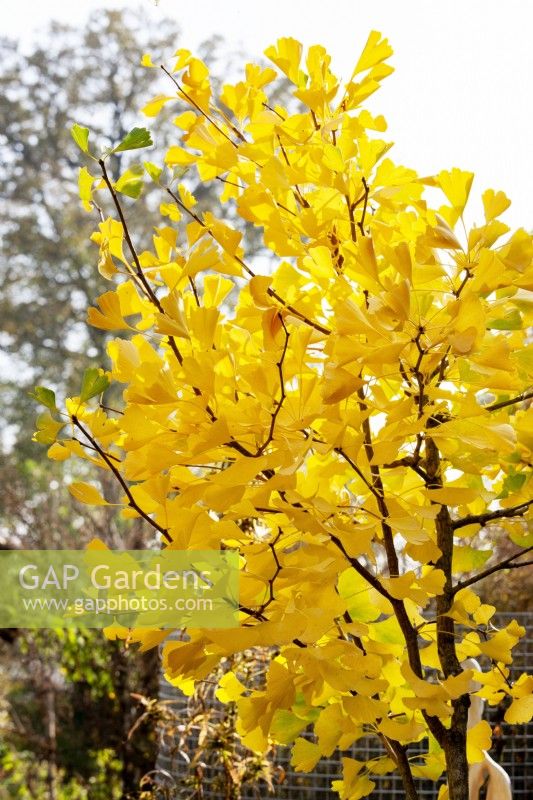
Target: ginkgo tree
pixel 349 415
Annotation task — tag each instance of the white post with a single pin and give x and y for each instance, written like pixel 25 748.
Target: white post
pixel 499 783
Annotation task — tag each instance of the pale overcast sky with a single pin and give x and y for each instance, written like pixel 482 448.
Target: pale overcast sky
pixel 461 93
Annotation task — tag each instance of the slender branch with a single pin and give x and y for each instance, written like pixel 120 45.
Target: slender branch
pixel 404 768
pixel 357 471
pixel 440 371
pixel 411 462
pixel 378 489
pixel 116 472
pixel 361 223
pixel 265 105
pixel 108 408
pixel 504 403
pixel 507 563
pixel 139 270
pixel 233 127
pixel 90 447
pixel 409 632
pixel 283 395
pixel 374 582
pixel 501 513
pixel 350 207
pixel 445 625
pixel 468 275
pixel 296 192
pixel 142 278
pixel 190 100
pixel 194 290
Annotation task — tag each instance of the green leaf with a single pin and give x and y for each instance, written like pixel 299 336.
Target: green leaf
pixel 512 483
pixel 135 139
pixel 93 383
pixel 46 397
pixel 286 726
pixel 153 171
pixel 131 182
pixel 511 322
pixel 81 137
pixel 467 559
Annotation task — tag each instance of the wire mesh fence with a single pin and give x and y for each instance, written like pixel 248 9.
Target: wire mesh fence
pixel 512 747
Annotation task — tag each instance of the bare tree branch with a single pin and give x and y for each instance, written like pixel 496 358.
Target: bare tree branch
pixel 116 472
pixel 527 395
pixel 507 563
pixel 501 513
pixel 282 396
pixel 138 273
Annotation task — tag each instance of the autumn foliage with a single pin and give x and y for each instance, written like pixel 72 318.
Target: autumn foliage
pixel 349 414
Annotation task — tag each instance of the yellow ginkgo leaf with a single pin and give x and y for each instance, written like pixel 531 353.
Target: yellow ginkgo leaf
pixel 500 644
pixel 478 741
pixel 58 452
pixel 109 316
pixel 85 183
pixel 97 544
pixel 154 106
pixel 452 495
pixel 229 688
pixel 116 631
pixel 286 55
pixel 353 785
pixel 403 732
pixel 520 711
pixel 494 204
pixel 376 50
pixel 86 493
pixel 456 185
pixel 305 755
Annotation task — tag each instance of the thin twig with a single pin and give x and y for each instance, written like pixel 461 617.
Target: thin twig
pixel 190 100
pixel 507 563
pixel 504 403
pixel 283 395
pixel 374 582
pixel 482 519
pixel 139 270
pixel 361 223
pixel 116 472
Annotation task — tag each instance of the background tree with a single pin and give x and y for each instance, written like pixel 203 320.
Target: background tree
pixel 350 425
pixel 47 274
pixel 47 278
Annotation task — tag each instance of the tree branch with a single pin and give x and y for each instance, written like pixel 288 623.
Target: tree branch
pixel 282 397
pixel 507 563
pixel 361 223
pixel 193 103
pixel 138 268
pixel 527 395
pixel 362 571
pixel 116 472
pixel 501 513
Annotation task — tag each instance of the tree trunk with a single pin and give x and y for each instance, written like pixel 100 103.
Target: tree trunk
pixel 455 738
pixel 456 763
